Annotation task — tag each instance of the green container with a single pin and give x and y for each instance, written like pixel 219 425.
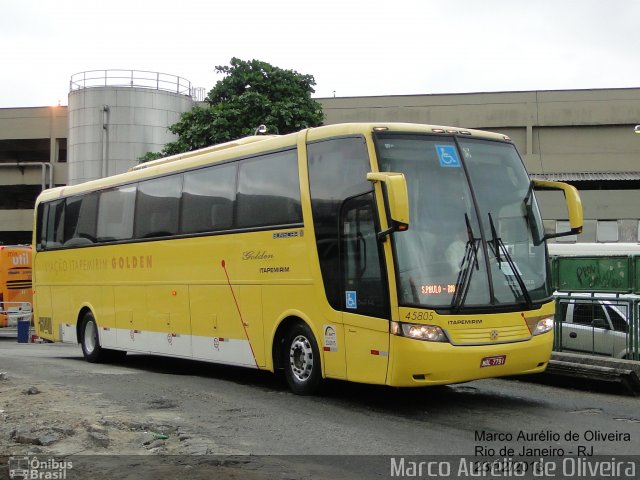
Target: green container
pixel 636 271
pixel 595 274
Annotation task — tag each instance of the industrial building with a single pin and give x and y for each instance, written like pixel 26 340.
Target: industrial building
pixel 583 137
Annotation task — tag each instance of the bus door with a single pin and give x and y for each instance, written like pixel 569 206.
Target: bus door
pixel 366 299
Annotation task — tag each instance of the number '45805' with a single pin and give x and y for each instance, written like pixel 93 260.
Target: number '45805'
pixel 418 316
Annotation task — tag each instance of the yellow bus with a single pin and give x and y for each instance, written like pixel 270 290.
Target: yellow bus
pixel 396 254
pixel 15 284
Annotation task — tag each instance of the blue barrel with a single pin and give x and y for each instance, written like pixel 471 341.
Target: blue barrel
pixel 24 326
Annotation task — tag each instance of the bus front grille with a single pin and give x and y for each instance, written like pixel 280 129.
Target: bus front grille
pixel 488 336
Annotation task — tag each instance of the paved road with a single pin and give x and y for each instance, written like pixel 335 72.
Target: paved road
pixel 250 412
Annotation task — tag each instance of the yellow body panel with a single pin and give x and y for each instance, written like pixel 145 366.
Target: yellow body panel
pixel 175 288
pixel 367 344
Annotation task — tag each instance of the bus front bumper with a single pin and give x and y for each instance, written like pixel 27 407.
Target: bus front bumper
pixel 415 363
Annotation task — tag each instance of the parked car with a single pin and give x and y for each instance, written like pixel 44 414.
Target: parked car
pixel 594 325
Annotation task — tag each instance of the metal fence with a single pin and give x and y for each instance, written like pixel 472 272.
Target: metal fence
pixel 134 78
pixel 598 324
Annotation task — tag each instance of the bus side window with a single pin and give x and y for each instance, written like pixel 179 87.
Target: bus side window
pixel 157 207
pixel 55 224
pixel 41 227
pixel 362 259
pixel 269 191
pixel 115 214
pixel 80 220
pixel 208 196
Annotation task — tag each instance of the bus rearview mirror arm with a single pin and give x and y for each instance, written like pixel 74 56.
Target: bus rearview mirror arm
pixel 396 201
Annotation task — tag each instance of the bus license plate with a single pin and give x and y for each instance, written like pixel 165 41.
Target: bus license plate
pixel 493 361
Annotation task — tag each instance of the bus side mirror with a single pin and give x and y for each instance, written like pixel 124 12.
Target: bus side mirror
pixel 574 206
pixel 396 201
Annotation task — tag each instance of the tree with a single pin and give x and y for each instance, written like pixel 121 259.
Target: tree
pixel 252 93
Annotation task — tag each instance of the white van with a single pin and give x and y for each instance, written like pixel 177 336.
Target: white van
pixel 596 325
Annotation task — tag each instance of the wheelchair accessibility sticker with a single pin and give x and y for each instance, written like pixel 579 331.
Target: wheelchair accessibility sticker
pixel 352 299
pixel 448 156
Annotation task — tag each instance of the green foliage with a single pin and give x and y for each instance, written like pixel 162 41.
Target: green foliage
pixel 147 157
pixel 252 93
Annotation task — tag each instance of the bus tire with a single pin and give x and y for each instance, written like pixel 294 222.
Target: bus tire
pixel 301 360
pixel 90 341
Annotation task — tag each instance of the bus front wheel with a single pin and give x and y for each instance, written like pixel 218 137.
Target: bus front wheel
pixel 302 360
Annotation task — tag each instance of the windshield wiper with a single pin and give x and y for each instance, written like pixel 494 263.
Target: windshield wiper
pixel 498 247
pixel 469 260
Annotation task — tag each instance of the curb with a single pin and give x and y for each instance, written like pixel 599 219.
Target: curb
pixel 625 373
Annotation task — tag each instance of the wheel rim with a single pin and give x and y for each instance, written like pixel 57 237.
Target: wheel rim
pixel 301 358
pixel 90 337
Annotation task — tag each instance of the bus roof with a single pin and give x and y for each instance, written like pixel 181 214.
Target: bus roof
pixel 202 151
pixel 250 146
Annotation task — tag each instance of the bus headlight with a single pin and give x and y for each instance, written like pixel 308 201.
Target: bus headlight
pixel 429 333
pixel 543 326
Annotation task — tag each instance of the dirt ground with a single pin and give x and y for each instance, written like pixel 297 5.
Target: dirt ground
pixel 101 440
pixel 49 419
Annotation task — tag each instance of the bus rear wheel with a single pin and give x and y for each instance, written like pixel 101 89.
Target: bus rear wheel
pixel 302 360
pixel 89 339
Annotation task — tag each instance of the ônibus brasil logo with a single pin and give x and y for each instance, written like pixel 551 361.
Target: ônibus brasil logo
pixel 35 468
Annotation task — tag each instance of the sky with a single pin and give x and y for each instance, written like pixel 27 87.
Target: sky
pixel 351 47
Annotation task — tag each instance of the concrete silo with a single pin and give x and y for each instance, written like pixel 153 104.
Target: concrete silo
pixel 116 116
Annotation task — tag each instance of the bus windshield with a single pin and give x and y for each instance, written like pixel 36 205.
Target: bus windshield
pixel 475 234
